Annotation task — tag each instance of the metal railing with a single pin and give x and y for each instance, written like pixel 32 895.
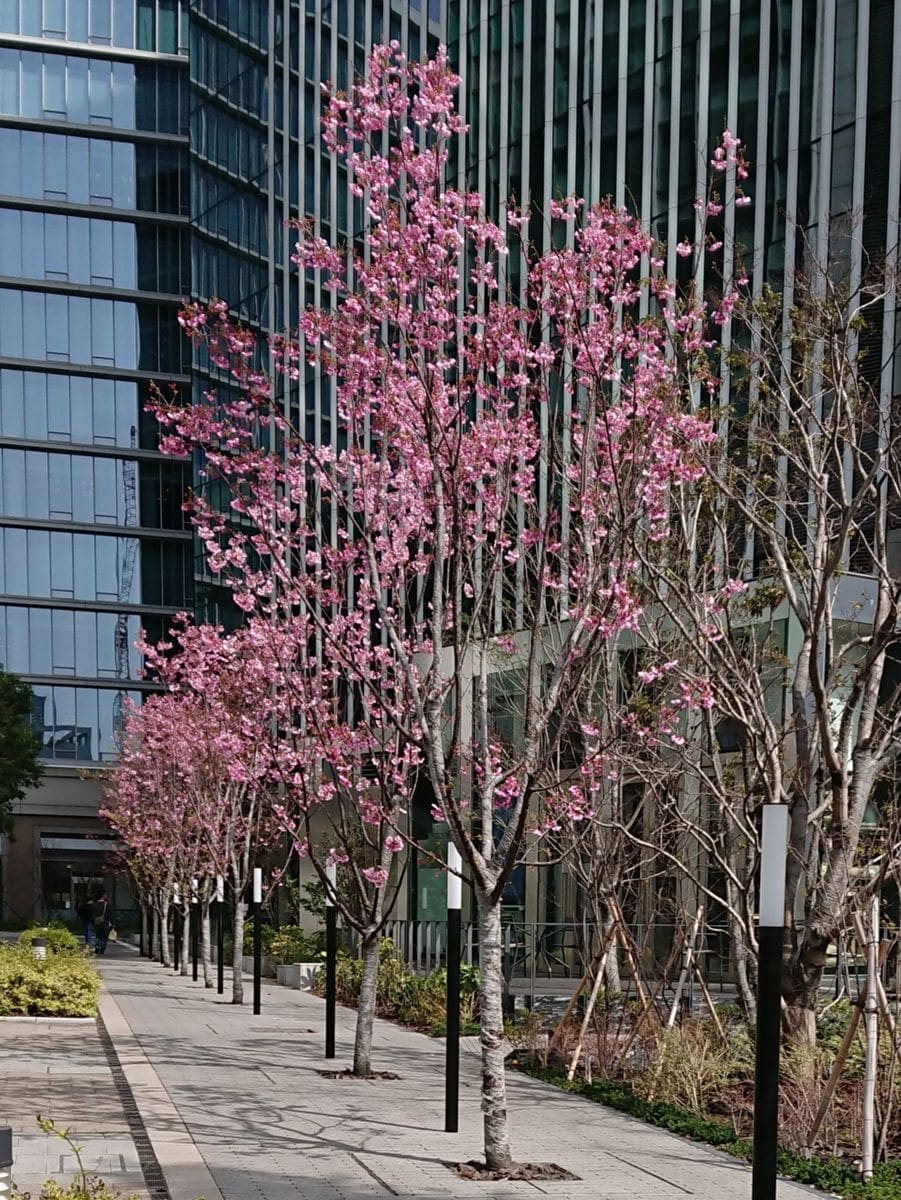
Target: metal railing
pixel 541 952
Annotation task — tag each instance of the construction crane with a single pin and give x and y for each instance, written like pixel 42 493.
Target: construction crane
pixel 126 580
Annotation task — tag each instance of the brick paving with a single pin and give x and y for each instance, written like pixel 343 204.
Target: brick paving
pixel 58 1068
pixel 269 1127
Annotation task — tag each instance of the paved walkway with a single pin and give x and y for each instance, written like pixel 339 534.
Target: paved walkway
pixel 269 1127
pixel 58 1068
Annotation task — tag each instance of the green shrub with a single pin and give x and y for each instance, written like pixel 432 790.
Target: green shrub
pixel 60 985
pixel 404 996
pixel 292 945
pixel 59 939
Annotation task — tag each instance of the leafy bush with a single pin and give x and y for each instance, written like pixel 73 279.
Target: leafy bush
pixel 292 945
pixel 404 996
pixel 59 939
pixel 60 985
pixel 828 1174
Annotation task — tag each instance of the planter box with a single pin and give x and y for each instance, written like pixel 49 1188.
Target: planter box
pixel 267 966
pixel 298 975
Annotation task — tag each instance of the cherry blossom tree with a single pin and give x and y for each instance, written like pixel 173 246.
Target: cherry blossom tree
pixel 220 687
pixel 503 458
pixel 146 804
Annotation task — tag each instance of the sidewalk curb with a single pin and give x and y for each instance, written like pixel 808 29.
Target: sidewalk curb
pixel 181 1163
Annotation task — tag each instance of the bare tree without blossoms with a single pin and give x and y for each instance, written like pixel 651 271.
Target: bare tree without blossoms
pixel 780 607
pixel 502 463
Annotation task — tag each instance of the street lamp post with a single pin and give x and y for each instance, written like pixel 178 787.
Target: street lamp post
pixel 771 920
pixel 220 934
pixel 452 1048
pixel 257 938
pixel 331 952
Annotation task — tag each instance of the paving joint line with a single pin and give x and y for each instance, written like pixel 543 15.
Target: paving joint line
pixel 369 1171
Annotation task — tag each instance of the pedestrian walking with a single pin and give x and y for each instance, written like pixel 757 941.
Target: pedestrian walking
pixel 102 920
pixel 85 914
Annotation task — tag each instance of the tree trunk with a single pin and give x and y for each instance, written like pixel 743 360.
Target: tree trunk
pixel 186 940
pixel 238 954
pixel 801 991
pixel 366 1007
pixel 163 930
pixel 491 1017
pixel 746 996
pixel 206 953
pixel 612 982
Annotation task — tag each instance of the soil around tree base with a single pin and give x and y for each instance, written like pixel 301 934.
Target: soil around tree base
pixel 347 1073
pixel 519 1172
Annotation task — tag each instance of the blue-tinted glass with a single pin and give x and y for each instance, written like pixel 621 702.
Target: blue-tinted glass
pixel 146 29
pixel 100 25
pixel 9 16
pixel 124 14
pixel 168 27
pixel 30 93
pixel 77 84
pixel 101 94
pixel 55 17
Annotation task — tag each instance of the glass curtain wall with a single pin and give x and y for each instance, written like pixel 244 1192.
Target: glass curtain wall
pixel 94 260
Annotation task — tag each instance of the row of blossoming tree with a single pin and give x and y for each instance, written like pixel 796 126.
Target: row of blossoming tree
pixel 514 475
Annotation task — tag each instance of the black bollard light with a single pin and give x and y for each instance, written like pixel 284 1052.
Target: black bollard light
pixel 257 939
pixel 452 1048
pixel 220 934
pixel 195 929
pixel 331 954
pixel 771 918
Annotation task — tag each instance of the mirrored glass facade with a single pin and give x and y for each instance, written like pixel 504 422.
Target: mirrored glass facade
pixel 94 260
pixel 257 161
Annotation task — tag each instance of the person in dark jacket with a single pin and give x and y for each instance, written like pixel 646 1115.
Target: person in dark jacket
pixel 85 915
pixel 102 921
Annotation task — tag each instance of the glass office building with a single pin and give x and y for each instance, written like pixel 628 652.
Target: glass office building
pixel 257 162
pixel 627 99
pixel 154 149
pixel 94 257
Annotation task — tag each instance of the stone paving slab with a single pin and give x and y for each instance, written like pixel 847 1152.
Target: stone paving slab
pixel 57 1067
pixel 269 1127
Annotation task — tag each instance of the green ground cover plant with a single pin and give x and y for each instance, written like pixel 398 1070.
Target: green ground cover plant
pixel 60 985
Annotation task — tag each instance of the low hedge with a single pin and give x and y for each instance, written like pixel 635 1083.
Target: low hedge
pixel 828 1174
pixel 59 939
pixel 60 985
